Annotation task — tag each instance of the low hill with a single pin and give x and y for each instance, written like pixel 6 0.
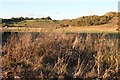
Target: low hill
pixel 94 23
pixel 92 20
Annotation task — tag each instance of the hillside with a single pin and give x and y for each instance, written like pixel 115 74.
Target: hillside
pixel 93 20
pixel 93 23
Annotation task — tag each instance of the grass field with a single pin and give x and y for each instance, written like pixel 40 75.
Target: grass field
pixel 90 29
pixel 50 49
pixel 49 55
pixel 55 26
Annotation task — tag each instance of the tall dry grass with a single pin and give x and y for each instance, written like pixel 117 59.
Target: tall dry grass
pixel 43 55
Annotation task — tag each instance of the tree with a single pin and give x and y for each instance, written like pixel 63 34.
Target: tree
pixel 26 18
pixel 21 18
pixel 48 18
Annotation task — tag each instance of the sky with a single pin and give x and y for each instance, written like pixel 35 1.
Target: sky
pixel 56 9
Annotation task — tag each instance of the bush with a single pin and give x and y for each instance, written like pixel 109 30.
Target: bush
pixel 4 24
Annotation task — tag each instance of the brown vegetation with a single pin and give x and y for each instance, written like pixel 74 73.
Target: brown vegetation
pixel 43 55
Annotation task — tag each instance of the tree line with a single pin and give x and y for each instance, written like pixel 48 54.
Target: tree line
pixel 18 19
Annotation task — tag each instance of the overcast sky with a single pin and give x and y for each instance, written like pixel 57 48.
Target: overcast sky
pixel 56 9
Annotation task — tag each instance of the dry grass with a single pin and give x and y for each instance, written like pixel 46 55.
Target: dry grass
pixel 21 29
pixel 90 29
pixel 70 29
pixel 43 55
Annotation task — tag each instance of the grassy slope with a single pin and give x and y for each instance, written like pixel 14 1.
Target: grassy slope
pixel 110 27
pixel 52 27
pixel 49 26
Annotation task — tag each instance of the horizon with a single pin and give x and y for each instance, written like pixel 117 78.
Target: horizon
pixel 56 10
pixel 50 17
